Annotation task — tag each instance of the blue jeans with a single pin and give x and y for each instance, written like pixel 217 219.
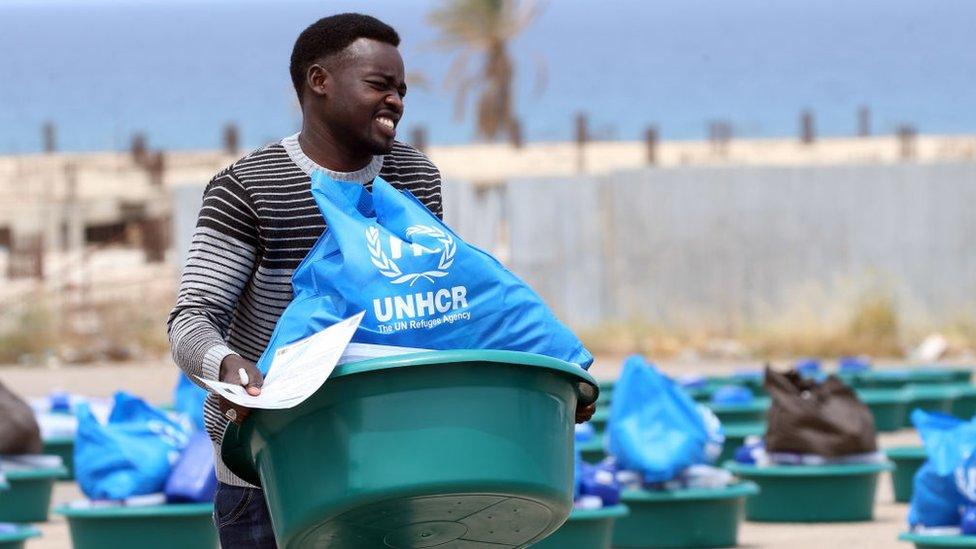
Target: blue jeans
pixel 242 519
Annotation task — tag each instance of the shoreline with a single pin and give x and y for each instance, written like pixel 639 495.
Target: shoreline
pixel 499 143
pixel 43 176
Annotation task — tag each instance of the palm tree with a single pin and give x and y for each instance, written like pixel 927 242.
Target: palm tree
pixel 484 28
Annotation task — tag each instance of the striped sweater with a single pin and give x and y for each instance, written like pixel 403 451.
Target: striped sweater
pixel 257 222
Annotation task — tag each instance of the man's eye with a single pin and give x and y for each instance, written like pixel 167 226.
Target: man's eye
pixel 377 85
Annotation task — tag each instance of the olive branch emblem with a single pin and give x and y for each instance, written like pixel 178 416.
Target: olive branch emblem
pixel 391 270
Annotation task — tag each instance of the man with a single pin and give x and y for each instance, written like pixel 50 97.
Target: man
pixel 259 220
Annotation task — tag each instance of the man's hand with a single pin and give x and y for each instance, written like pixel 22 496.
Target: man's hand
pixel 584 413
pixel 230 369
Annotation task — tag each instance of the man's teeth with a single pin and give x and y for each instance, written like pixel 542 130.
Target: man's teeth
pixel 386 122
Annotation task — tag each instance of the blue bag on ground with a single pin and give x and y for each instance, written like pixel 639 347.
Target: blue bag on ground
pixel 655 427
pixel 420 285
pixel 940 486
pixel 131 455
pixel 193 478
pixel 188 399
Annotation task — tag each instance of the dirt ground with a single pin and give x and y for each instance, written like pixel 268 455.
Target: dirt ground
pixel 154 381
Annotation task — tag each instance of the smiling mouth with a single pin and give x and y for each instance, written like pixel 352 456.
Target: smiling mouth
pixel 387 123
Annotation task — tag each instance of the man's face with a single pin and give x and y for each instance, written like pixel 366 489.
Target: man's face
pixel 365 99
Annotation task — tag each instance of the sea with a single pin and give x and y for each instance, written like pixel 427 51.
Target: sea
pixel 178 71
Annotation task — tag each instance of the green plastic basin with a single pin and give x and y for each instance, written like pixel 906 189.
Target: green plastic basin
pixel 903 377
pixel 178 525
pixel 606 391
pixel 907 460
pixel 592 451
pixel 63 447
pixel 600 419
pixel 824 493
pixel 700 394
pixel 929 541
pixel 682 518
pixel 851 379
pixel 17 538
pixel 585 529
pixel 961 374
pixel 735 436
pixel 470 447
pixel 752 412
pixel 884 379
pixel 29 495
pixel 929 397
pixel 753 383
pixel 964 400
pixel 888 406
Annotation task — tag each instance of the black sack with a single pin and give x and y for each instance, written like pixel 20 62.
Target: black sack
pixel 807 417
pixel 19 433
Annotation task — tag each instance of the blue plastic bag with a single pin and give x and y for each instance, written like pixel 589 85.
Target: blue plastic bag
pixel 193 478
pixel 188 399
pixel 595 480
pixel 584 432
pixel 808 367
pixel 131 455
pixel 935 500
pixel 716 434
pixel 732 394
pixel 419 284
pixel 655 427
pixel 939 486
pixel 969 521
pixel 853 364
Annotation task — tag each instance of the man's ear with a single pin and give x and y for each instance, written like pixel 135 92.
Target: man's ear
pixel 319 80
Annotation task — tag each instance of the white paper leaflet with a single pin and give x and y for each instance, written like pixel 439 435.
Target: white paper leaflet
pixel 297 370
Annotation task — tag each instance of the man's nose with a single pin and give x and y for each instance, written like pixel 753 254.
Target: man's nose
pixel 394 101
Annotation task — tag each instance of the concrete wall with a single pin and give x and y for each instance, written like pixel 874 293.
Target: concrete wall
pixel 732 247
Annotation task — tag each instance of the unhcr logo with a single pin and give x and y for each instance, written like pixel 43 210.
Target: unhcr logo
pixel 440 242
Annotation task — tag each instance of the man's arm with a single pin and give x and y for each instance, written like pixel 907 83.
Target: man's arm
pixel 222 257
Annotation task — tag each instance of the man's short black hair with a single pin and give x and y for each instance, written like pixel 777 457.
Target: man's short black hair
pixel 329 36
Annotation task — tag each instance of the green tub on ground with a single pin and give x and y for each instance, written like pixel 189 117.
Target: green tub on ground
pixel 752 412
pixel 930 541
pixel 29 495
pixel 851 379
pixel 695 517
pixel 63 447
pixel 899 378
pixel 700 394
pixel 735 436
pixel 592 451
pixel 471 447
pixel 600 419
pixel 585 529
pixel 888 406
pixel 907 460
pixel 754 383
pixel 961 374
pixel 606 391
pixel 14 536
pixel 929 397
pixel 964 401
pixel 804 493
pixel 178 525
